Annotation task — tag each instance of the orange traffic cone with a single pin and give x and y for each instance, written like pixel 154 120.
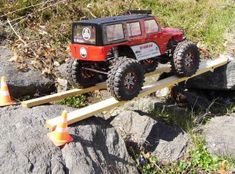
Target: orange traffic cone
pixel 60 135
pixel 222 168
pixel 5 98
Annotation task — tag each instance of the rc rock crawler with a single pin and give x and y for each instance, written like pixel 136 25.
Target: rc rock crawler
pixel 121 49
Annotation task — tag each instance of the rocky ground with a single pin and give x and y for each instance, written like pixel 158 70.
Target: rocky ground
pixel 99 145
pixel 102 144
pixel 29 83
pixel 219 133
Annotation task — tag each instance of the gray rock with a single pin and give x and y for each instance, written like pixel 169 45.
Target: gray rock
pixel 220 137
pixel 23 83
pixel 25 148
pixel 62 76
pixel 144 104
pixel 167 143
pixel 62 85
pixel 221 79
pixel 2 33
pixel 179 113
pixel 62 71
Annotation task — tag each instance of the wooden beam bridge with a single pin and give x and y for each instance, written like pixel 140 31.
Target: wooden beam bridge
pixel 111 103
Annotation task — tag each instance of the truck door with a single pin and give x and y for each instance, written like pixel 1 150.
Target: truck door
pixel 153 34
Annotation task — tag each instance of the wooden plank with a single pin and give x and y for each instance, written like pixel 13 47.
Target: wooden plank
pixel 75 92
pixel 111 103
pixel 86 112
pixel 61 95
pixel 171 81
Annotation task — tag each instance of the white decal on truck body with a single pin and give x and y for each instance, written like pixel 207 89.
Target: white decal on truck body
pixel 145 51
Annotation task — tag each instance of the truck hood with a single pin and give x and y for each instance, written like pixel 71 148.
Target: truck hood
pixel 173 30
pixel 175 33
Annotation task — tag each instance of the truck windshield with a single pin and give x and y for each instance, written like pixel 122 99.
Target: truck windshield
pixel 84 34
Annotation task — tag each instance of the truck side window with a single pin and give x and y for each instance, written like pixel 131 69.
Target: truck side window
pixel 150 26
pixel 133 29
pixel 114 32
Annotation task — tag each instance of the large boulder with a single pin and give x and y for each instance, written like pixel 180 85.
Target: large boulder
pixel 144 104
pixel 166 142
pixel 25 147
pixel 221 79
pixel 220 137
pixel 22 84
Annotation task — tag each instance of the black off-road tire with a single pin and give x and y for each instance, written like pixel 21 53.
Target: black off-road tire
pixel 117 82
pixel 186 59
pixel 75 75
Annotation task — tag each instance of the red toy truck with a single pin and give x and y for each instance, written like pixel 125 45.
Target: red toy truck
pixel 121 49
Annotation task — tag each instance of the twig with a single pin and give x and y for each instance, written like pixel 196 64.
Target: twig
pixel 25 44
pixel 24 8
pixel 201 118
pixel 27 15
pixel 15 32
pixel 159 168
pixel 194 104
pixel 90 12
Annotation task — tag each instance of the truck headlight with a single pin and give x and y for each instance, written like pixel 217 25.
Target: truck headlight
pixel 83 52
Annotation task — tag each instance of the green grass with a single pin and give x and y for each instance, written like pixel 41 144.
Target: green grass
pixel 198 160
pixel 231 108
pixel 204 21
pixel 188 117
pixel 183 118
pixel 76 102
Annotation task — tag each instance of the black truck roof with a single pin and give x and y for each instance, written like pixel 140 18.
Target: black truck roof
pixel 99 21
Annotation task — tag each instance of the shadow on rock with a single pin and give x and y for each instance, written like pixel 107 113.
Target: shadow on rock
pixel 25 147
pixel 141 132
pixel 99 149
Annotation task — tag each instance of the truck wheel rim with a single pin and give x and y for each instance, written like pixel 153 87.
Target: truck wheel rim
pixel 130 80
pixel 189 58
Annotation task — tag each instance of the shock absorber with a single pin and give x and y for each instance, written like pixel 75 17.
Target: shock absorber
pixel 115 52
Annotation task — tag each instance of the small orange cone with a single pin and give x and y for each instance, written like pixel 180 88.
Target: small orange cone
pixel 60 135
pixel 5 98
pixel 222 168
